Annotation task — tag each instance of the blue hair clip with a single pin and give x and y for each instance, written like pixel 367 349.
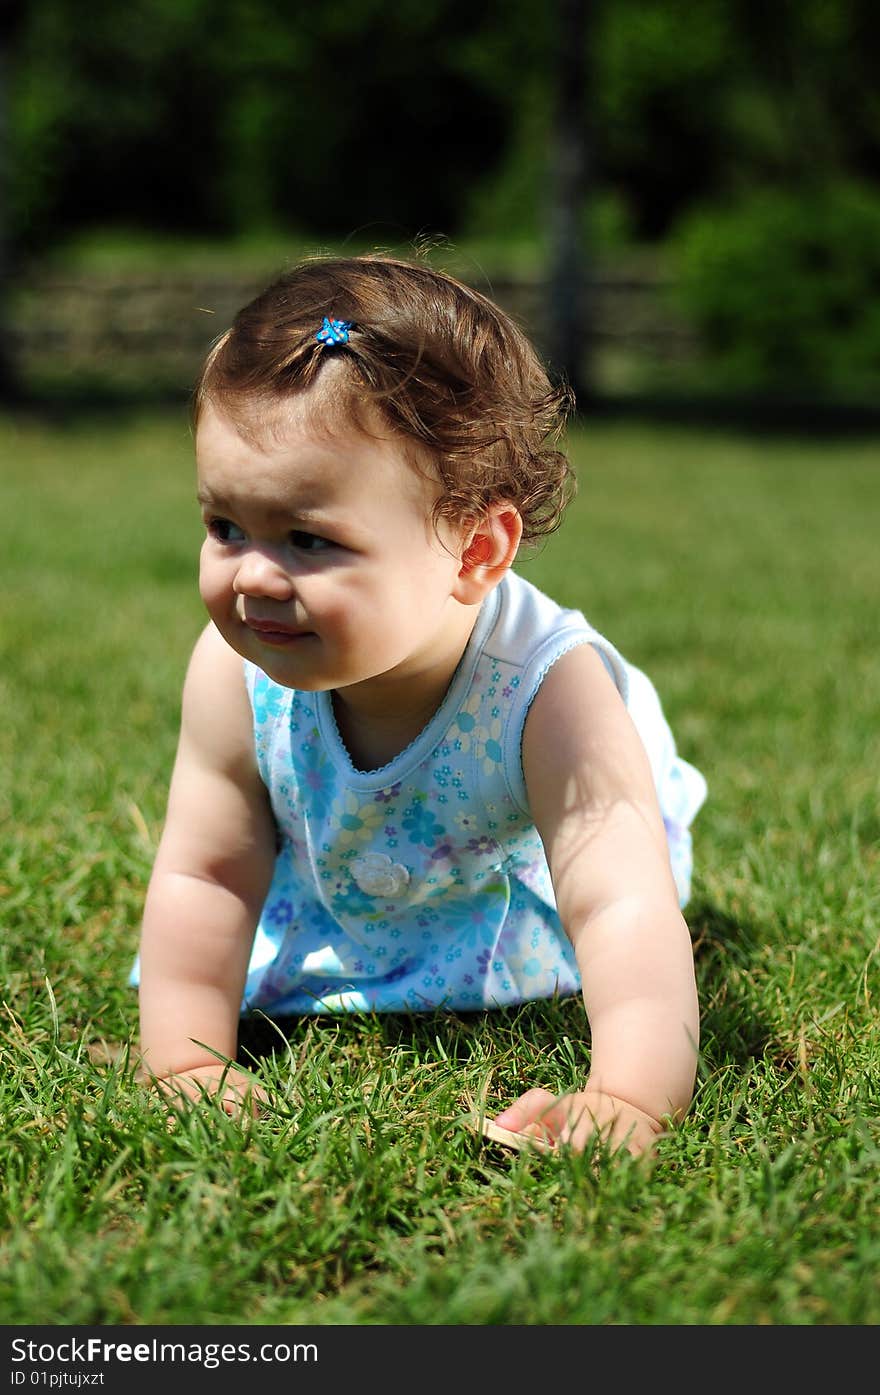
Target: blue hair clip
pixel 333 332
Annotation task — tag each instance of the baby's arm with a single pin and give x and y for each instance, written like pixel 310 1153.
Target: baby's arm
pixel 594 803
pixel 209 880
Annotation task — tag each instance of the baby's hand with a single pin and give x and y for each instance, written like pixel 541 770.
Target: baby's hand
pixel 233 1090
pixel 573 1119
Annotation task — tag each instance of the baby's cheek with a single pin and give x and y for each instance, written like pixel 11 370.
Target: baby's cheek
pixel 217 594
pixel 339 611
pixel 208 589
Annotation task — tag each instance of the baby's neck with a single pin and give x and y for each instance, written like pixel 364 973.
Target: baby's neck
pixel 379 718
pixel 372 742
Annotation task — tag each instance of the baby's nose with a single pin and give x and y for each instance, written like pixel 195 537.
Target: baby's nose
pixel 259 574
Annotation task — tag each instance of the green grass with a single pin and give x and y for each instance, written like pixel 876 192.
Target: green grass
pixel 743 573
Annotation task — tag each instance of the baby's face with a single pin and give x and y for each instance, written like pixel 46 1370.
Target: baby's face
pixel 321 562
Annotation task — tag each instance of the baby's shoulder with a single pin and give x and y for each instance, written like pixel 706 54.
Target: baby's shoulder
pixel 525 618
pixel 532 632
pixel 214 666
pixel 215 712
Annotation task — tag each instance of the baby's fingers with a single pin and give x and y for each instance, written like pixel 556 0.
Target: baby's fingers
pixel 233 1093
pixel 580 1119
pixel 619 1126
pixel 537 1114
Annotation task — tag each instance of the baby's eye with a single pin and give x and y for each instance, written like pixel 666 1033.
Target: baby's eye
pixel 224 531
pixel 309 542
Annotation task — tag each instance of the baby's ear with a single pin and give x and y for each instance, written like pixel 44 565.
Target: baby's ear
pixel 488 549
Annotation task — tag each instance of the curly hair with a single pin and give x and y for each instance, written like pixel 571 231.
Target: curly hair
pixel 444 366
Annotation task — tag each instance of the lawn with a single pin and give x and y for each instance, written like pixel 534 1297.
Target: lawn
pixel 742 572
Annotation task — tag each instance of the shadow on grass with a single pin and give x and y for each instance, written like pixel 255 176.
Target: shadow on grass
pixel 451 1034
pixel 725 951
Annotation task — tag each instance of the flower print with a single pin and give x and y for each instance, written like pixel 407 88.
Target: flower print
pixel 387 796
pixel 437 879
pixel 467 822
pixel 274 984
pixel 316 775
pixel 355 821
pixel 475 918
pixel 511 865
pixel 465 722
pixel 483 844
pixel 420 824
pixel 488 746
pixel 349 900
pixel 269 698
pixel 281 913
pixel 483 960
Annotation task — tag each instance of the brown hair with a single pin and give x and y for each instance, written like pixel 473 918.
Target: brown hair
pixel 443 365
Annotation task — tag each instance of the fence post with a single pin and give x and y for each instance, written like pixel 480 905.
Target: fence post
pixel 569 322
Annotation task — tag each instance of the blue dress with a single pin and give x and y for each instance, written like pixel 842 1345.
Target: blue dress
pixel 424 884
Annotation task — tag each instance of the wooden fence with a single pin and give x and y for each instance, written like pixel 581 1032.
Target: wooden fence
pixel 156 328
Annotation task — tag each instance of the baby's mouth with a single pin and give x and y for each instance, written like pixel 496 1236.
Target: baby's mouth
pixel 274 632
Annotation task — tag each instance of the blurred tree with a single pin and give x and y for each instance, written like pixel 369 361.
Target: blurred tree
pixel 686 104
pixel 433 115
pixel 697 103
pixel 664 71
pixel 811 94
pixel 569 320
pixel 10 20
pixel 782 288
pixel 218 115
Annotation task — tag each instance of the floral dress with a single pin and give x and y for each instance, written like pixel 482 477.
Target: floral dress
pixel 424 884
